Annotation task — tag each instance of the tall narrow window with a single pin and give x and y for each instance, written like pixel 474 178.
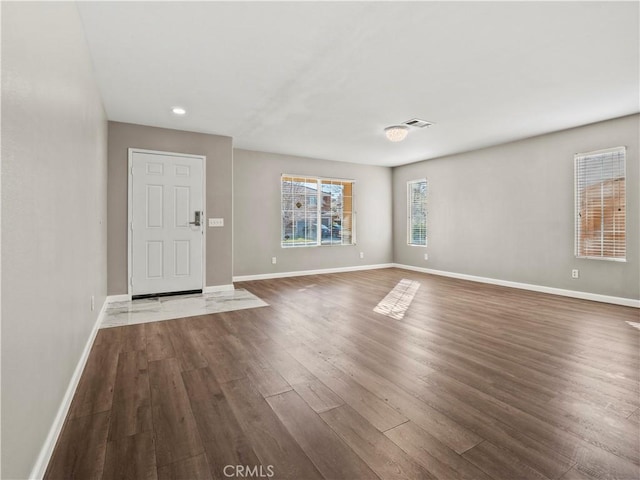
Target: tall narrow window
pixel 600 199
pixel 417 212
pixel 299 211
pixel 316 211
pixel 336 212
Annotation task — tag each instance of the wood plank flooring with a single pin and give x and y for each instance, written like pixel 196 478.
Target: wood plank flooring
pixel 475 382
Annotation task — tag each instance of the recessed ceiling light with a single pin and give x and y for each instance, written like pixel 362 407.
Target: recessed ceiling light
pixel 178 110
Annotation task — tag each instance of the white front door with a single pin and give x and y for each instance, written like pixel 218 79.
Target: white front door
pixel 166 222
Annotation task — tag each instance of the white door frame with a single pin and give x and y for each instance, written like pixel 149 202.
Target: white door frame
pixel 130 209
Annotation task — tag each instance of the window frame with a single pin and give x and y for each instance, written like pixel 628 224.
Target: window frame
pixel 577 195
pixel 318 203
pixel 410 212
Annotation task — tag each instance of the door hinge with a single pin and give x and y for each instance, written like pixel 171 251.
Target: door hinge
pixel 131 281
pixel 131 169
pixel 131 225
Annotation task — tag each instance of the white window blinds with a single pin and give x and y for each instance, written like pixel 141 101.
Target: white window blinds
pixel 417 209
pixel 600 200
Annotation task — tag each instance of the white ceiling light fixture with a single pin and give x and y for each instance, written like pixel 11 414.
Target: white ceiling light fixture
pixel 178 111
pixel 396 133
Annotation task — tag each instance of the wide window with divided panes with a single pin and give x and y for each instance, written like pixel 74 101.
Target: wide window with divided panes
pixel 600 200
pixel 316 211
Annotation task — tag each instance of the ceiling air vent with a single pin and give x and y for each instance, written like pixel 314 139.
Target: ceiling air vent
pixel 416 122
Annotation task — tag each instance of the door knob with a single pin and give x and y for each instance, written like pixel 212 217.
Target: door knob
pixel 198 219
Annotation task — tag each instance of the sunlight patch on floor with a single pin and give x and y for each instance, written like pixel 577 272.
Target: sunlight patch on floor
pixel 634 325
pixel 397 301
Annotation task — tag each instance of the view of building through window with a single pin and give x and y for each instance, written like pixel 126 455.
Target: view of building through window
pixel 316 211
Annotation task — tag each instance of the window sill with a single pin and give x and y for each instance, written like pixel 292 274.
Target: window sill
pixel 318 246
pixel 607 259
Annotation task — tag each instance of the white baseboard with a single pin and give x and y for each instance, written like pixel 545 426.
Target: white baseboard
pixel 596 297
pixel 118 298
pixel 266 276
pixel 44 457
pixel 218 288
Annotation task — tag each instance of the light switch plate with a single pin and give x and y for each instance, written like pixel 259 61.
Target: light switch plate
pixel 216 222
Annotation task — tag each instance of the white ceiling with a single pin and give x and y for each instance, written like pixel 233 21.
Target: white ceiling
pixel 323 79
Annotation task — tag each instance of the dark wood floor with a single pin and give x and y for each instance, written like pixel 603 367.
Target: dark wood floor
pixel 476 382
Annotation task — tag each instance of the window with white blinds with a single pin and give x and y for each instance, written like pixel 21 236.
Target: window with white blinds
pixel 417 210
pixel 600 196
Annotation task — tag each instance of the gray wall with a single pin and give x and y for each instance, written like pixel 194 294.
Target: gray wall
pixel 256 179
pixel 507 212
pixel 54 180
pixel 219 191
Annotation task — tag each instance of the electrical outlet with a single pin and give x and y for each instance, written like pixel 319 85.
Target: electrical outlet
pixel 216 222
pixel 426 256
pixel 93 303
pixel 361 254
pixel 575 273
pixel 274 260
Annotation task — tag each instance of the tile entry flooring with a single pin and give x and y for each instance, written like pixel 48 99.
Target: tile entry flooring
pixel 147 310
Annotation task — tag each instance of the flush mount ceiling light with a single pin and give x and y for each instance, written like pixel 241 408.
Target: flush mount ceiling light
pixel 178 110
pixel 396 133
